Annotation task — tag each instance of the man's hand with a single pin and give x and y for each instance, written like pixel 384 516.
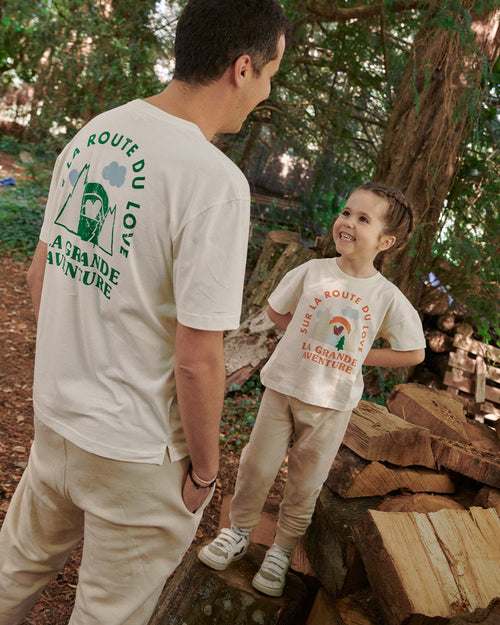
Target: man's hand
pixel 193 497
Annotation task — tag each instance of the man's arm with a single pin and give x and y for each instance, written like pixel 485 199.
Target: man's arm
pixel 200 380
pixel 35 275
pixel 389 358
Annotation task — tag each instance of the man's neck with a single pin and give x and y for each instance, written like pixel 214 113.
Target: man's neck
pixel 200 104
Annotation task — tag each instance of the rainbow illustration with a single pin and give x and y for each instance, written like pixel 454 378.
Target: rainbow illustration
pixel 335 322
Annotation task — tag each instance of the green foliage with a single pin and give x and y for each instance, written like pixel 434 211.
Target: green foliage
pixel 329 107
pixel 240 409
pixel 379 382
pixel 82 56
pixel 10 145
pixel 21 216
pixel 22 206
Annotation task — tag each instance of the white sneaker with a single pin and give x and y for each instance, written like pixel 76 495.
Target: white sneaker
pixel 270 578
pixel 228 546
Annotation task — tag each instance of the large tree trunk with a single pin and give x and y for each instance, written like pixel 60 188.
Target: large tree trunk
pixel 438 97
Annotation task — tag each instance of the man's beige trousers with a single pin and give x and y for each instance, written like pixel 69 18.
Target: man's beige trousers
pixel 135 525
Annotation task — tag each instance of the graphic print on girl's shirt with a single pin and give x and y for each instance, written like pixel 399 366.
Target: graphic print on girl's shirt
pixel 336 318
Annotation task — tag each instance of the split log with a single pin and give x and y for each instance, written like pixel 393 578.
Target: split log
pixel 420 502
pixel 198 595
pixel 442 413
pixel 329 542
pixel 486 616
pixel 359 609
pixel 355 609
pixel 425 568
pixel 376 434
pixel 467 460
pixel 488 498
pixel 247 349
pixel 352 476
pixel 295 254
pixel 482 436
pixel 324 611
pixel 274 245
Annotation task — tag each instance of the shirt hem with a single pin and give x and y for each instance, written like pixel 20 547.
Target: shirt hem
pixel 155 456
pixel 312 401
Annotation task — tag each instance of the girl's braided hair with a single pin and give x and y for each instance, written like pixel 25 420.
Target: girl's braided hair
pixel 399 218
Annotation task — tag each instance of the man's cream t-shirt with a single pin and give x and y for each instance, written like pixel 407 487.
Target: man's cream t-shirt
pixel 146 223
pixel 336 318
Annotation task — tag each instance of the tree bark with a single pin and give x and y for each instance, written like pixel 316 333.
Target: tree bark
pixel 198 595
pixel 329 542
pixel 437 99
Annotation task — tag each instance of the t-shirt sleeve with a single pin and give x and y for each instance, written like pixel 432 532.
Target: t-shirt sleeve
pixel 53 199
pixel 402 326
pixel 209 267
pixel 286 295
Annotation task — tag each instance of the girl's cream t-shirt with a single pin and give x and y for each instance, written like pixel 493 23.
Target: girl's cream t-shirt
pixel 336 318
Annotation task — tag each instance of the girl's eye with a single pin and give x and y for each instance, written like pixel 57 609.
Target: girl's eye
pixel 363 219
pixel 345 212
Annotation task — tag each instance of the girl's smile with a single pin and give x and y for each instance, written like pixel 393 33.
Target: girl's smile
pixel 358 232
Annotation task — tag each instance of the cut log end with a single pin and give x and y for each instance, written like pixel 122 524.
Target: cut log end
pixel 198 595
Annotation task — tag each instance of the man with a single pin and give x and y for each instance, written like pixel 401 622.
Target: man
pixel 141 259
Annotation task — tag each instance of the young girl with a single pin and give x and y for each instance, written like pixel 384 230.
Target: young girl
pixel 332 310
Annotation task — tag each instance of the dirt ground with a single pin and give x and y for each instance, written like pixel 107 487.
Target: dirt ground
pixel 17 350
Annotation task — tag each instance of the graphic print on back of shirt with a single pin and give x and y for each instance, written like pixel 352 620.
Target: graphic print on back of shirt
pixel 99 209
pixel 87 213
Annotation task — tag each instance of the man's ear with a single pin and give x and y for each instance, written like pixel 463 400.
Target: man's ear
pixel 242 68
pixel 386 242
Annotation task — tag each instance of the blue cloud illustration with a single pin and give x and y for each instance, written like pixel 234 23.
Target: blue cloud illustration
pixel 73 176
pixel 350 313
pixel 115 173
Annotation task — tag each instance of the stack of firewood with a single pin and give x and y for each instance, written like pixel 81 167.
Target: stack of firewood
pixel 409 517
pixel 406 531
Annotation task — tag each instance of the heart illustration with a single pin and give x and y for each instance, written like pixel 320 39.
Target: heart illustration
pixel 91 208
pixel 337 330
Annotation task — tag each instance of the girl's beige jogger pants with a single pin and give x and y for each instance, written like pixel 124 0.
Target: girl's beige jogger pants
pixel 317 434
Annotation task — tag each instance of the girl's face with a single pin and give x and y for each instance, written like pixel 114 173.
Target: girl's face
pixel 358 232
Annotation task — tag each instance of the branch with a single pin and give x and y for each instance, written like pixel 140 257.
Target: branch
pixel 338 14
pixel 383 33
